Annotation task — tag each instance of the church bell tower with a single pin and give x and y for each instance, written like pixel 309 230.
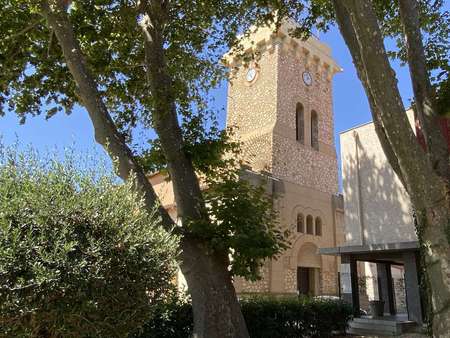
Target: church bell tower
pixel 280 107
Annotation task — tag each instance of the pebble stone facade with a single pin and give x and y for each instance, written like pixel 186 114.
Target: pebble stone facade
pixel 262 112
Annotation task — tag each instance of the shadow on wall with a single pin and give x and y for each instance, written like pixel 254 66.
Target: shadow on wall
pixel 373 190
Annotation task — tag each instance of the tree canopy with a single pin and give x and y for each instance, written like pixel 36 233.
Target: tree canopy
pixel 147 66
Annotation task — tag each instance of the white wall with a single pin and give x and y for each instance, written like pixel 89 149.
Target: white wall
pixel 377 207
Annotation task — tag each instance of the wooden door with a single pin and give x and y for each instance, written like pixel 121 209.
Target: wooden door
pixel 303 281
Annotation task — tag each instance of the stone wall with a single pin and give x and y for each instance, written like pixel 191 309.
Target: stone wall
pixel 263 114
pixel 290 280
pixel 318 170
pixel 267 106
pixel 293 161
pixel 259 286
pixel 400 295
pixel 252 107
pixel 329 283
pixel 255 152
pixel 317 96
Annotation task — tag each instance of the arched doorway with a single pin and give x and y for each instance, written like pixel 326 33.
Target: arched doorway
pixel 309 264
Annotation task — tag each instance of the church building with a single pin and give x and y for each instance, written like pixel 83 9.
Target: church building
pixel 280 107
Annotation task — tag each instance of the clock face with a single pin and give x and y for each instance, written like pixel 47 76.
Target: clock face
pixel 307 78
pixel 251 75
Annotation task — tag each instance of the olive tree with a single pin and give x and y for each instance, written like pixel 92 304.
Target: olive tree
pixel 79 254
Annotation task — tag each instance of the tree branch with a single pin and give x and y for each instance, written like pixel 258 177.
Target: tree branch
pixel 190 204
pixel 424 97
pixel 106 132
pixel 25 30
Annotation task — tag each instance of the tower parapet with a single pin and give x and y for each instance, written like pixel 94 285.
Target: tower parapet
pixel 315 53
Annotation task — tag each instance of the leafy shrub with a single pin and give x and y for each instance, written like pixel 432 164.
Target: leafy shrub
pixel 294 317
pixel 172 319
pixel 265 316
pixel 79 255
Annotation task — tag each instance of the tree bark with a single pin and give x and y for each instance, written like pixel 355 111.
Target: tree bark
pixel 428 191
pixel 190 204
pixel 437 148
pixel 217 312
pixel 216 309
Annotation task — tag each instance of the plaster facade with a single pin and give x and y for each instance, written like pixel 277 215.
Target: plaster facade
pixel 377 207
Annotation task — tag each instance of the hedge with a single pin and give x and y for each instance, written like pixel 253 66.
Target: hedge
pixel 265 317
pixel 294 317
pixel 173 319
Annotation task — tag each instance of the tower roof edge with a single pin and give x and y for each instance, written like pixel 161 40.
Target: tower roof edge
pixel 264 38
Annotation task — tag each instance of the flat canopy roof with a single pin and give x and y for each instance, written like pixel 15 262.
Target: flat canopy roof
pixel 368 248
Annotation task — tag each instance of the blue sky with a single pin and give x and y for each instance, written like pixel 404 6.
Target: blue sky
pixel 350 109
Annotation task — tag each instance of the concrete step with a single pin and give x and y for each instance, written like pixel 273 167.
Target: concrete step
pixel 399 326
pixel 375 321
pixel 385 322
pixel 388 329
pixel 369 333
pixel 375 326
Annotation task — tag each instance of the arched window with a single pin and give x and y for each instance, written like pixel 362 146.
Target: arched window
pixel 300 223
pixel 314 130
pixel 300 123
pixel 309 225
pixel 318 226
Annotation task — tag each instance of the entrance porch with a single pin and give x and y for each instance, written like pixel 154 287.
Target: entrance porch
pixel 382 257
pixel 385 326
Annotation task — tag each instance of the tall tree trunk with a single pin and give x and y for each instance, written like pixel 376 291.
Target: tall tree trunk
pixel 437 148
pixel 217 312
pixel 432 221
pixel 428 190
pixel 216 309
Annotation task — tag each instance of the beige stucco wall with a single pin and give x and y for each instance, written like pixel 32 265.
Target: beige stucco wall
pixel 371 188
pixel 164 190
